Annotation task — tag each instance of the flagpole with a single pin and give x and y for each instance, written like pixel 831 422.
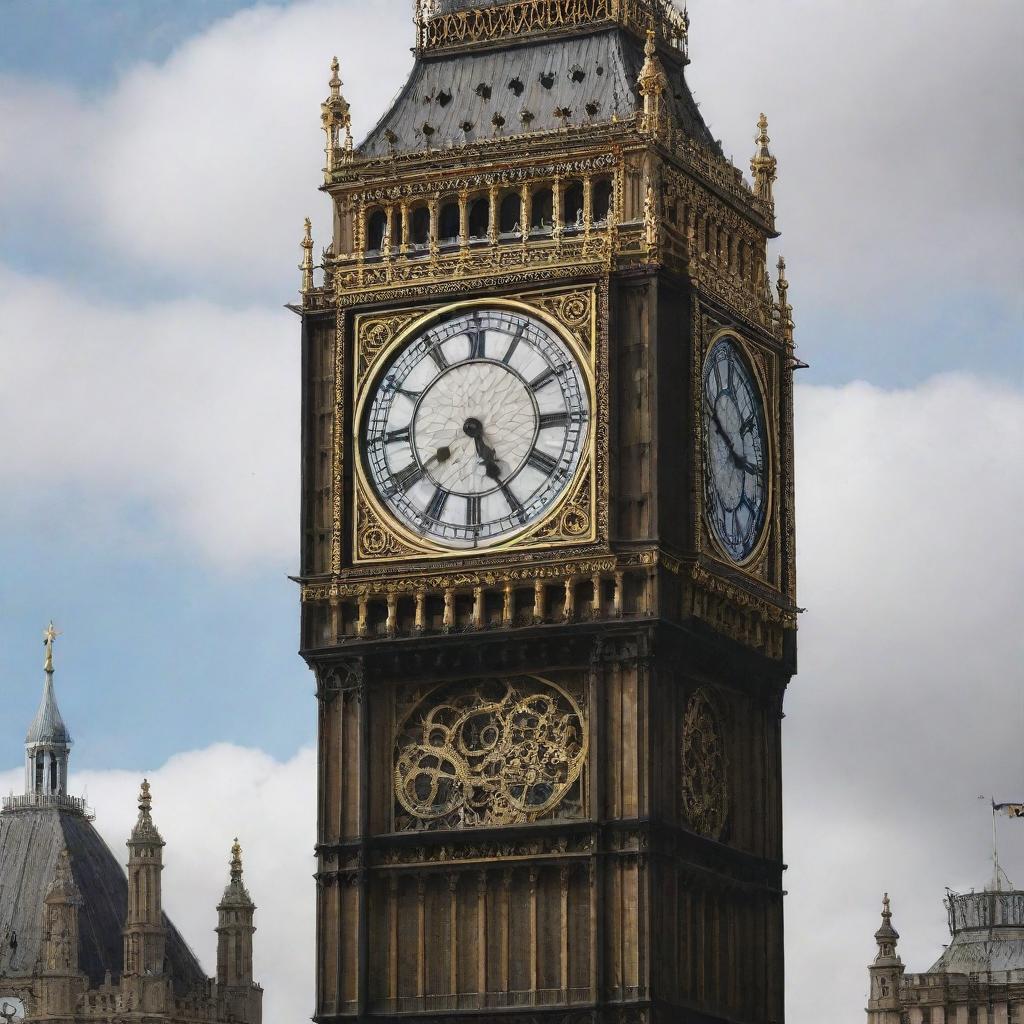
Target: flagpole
pixel 995 847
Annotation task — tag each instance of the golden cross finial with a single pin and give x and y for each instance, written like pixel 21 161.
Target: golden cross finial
pixel 236 860
pixel 49 635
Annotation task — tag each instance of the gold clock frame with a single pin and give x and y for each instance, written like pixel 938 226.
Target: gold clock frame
pixel 572 520
pixel 767 529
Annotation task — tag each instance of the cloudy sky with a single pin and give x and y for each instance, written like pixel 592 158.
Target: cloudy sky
pixel 156 161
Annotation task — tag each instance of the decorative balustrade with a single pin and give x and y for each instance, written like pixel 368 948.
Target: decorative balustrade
pixel 49 801
pixel 368 612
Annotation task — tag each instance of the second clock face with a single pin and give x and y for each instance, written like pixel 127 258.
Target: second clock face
pixel 477 427
pixel 735 451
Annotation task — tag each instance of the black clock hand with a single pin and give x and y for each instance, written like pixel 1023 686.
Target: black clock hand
pixel 475 429
pixel 725 437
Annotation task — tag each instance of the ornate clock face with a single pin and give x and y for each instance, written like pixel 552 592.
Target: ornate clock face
pixel 735 451
pixel 477 427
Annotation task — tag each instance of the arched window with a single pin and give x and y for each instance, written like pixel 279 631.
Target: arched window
pixel 602 200
pixel 420 226
pixel 572 205
pixel 480 218
pixel 541 211
pixel 375 229
pixel 511 218
pixel 448 223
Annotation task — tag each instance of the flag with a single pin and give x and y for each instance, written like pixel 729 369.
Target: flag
pixel 1010 810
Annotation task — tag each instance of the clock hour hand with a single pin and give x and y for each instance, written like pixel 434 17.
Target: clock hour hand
pixel 741 463
pixel 475 429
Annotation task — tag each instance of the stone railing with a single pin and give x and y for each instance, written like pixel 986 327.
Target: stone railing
pixel 453 606
pixel 47 801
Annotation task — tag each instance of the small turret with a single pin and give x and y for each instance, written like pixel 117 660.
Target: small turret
pixel 653 84
pixel 886 972
pixel 48 742
pixel 764 166
pixel 145 935
pixel 60 982
pixel 235 930
pixel 306 266
pixel 336 117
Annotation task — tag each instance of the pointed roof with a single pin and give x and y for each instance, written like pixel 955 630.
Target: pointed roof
pixel 236 896
pixel 48 727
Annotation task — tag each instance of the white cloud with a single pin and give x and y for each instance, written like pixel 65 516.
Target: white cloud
pixel 891 121
pixel 907 705
pixel 184 408
pixel 203 166
pixel 201 801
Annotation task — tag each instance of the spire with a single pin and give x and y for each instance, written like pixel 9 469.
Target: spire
pixel 336 117
pixel 764 166
pixel 887 937
pixel 306 266
pixel 145 832
pixel 59 952
pixel 48 727
pixel 235 929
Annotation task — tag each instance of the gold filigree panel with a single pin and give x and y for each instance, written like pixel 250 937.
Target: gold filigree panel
pixel 704 772
pixel 489 753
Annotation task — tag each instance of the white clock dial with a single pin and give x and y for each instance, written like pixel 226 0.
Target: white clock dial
pixel 476 427
pixel 735 451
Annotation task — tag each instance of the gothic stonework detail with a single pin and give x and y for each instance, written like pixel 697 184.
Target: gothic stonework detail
pixel 490 753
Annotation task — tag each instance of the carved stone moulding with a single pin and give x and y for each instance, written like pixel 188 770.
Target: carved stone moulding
pixel 704 768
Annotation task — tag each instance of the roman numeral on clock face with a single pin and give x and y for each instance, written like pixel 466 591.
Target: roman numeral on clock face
pixel 542 461
pixel 514 504
pixel 473 511
pixel 396 436
pixel 437 503
pixel 542 380
pixel 513 345
pixel 409 477
pixel 477 342
pixel 553 419
pixel 437 354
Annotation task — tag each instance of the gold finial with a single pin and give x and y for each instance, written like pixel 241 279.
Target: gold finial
pixel 145 801
pixel 886 907
pixel 306 266
pixel 335 82
pixel 764 166
pixel 49 635
pixel 236 861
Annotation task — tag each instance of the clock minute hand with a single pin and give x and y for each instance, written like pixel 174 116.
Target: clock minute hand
pixel 725 437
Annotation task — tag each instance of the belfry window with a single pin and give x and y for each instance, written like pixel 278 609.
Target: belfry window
pixel 420 226
pixel 572 206
pixel 40 774
pixel 511 219
pixel 376 229
pixel 542 211
pixel 602 200
pixel 448 223
pixel 53 775
pixel 480 218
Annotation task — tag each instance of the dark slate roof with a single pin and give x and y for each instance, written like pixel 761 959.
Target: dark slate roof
pixel 30 843
pixel 599 68
pixel 48 726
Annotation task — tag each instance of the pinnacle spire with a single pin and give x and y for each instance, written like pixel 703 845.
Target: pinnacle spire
pixel 887 937
pixel 48 726
pixel 306 266
pixel 336 118
pixel 145 832
pixel 764 166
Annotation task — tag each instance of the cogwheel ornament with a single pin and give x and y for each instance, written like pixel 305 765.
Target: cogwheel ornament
pixel 489 753
pixel 705 769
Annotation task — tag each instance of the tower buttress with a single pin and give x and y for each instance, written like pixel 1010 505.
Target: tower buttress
pixel 48 742
pixel 145 935
pixel 886 972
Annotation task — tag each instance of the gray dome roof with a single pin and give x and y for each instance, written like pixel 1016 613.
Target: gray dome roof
pixel 48 727
pixel 988 933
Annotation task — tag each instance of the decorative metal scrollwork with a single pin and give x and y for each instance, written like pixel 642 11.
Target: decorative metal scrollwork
pixel 705 768
pixel 489 753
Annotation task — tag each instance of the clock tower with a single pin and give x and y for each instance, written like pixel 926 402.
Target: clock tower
pixel 547 566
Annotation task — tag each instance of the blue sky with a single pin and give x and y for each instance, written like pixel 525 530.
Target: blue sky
pixel 156 161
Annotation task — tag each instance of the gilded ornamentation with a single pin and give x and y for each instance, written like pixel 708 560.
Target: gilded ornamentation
pixel 705 768
pixel 375 333
pixel 490 753
pixel 374 539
